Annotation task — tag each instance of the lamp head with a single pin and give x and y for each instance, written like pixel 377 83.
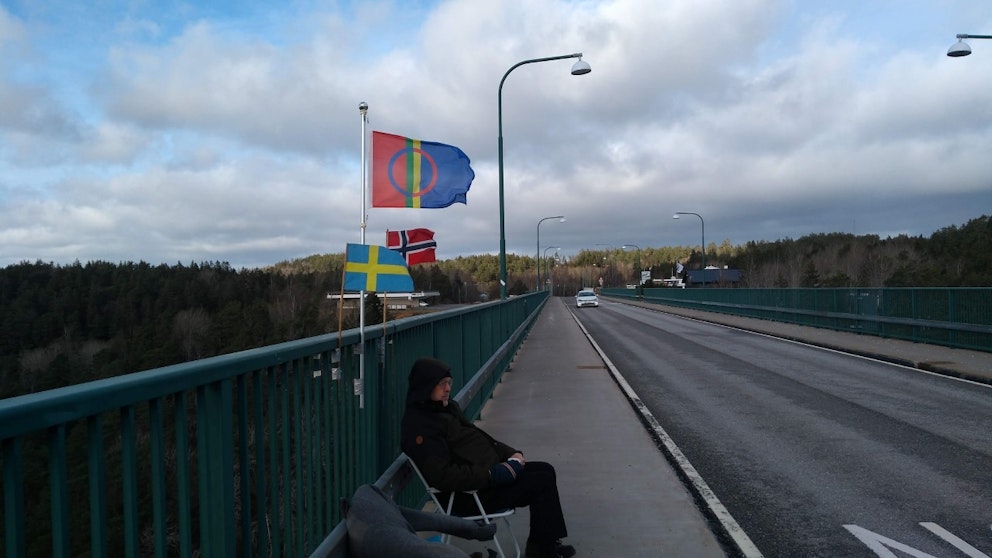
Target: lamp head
pixel 561 220
pixel 580 68
pixel 363 106
pixel 675 216
pixel 959 48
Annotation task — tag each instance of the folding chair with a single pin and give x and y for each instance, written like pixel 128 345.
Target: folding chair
pixel 483 515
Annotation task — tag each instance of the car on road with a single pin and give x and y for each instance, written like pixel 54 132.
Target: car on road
pixel 586 297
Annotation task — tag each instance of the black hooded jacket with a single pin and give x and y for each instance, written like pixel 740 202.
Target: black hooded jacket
pixel 450 451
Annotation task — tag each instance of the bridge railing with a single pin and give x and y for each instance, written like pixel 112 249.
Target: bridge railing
pixel 953 317
pixel 246 454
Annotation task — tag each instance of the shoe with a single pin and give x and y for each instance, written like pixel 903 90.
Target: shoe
pixel 563 550
pixel 553 550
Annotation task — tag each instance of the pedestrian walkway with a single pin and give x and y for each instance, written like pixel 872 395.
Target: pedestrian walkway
pixel 621 497
pixel 961 363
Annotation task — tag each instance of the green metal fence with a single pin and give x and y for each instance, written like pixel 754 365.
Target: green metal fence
pixel 953 317
pixel 246 454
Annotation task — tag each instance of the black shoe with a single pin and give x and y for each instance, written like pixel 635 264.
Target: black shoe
pixel 563 550
pixel 554 549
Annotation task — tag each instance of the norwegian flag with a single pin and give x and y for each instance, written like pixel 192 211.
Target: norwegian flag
pixel 416 245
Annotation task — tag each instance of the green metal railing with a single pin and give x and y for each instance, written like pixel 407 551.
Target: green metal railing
pixel 953 317
pixel 246 454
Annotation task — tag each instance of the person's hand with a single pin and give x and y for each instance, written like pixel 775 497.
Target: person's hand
pixel 519 457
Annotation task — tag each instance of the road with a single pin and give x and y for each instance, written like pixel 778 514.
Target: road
pixel 813 452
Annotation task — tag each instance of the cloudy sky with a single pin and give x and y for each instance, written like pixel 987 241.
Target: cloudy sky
pixel 167 132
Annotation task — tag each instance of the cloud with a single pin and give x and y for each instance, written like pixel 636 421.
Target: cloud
pixel 235 136
pixel 34 125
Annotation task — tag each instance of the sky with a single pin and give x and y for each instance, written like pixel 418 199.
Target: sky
pixel 228 131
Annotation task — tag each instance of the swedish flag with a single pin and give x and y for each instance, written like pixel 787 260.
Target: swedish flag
pixel 375 268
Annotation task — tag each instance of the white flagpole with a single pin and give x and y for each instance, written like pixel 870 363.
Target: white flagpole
pixel 363 109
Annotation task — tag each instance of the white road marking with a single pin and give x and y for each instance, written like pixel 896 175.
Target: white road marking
pixel 959 544
pixel 703 491
pixel 878 543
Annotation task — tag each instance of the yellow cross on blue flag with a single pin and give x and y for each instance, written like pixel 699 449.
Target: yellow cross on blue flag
pixel 375 268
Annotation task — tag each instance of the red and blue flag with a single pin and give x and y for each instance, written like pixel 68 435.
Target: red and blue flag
pixel 418 174
pixel 416 245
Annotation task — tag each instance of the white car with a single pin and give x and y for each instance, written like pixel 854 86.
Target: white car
pixel 586 297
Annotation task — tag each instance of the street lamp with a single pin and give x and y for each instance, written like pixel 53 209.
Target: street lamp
pixel 561 219
pixel 637 267
pixel 962 48
pixel 703 225
pixel 546 248
pixel 609 248
pixel 637 263
pixel 579 68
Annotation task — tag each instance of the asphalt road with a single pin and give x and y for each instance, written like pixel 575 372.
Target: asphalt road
pixel 814 452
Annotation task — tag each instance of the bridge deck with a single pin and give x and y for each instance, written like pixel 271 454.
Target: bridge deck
pixel 560 404
pixel 622 496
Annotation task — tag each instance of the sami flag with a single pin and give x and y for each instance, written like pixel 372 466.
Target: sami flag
pixel 375 268
pixel 416 245
pixel 418 174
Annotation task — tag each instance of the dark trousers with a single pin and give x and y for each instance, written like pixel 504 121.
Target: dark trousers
pixel 536 487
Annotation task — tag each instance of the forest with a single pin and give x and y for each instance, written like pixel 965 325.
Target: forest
pixel 66 324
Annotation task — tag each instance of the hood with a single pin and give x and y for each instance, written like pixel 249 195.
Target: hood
pixel 424 375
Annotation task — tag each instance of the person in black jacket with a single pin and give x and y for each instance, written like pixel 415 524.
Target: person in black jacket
pixel 454 455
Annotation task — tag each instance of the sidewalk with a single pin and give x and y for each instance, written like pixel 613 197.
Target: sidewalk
pixel 960 363
pixel 620 495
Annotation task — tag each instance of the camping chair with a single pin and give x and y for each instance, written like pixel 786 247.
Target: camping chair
pixel 483 515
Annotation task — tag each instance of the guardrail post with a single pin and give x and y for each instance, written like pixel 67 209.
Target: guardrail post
pixel 214 446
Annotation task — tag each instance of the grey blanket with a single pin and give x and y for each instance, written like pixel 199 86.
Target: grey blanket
pixel 378 528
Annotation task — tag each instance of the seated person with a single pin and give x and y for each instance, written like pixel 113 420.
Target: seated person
pixel 455 455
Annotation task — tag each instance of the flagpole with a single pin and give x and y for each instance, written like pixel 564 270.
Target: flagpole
pixel 363 109
pixel 341 301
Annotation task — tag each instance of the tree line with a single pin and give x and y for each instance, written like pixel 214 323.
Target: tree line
pixel 66 324
pixel 951 257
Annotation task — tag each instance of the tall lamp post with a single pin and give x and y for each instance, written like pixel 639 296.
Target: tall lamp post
pixel 637 264
pixel 703 225
pixel 609 249
pixel 537 280
pixel 579 68
pixel 548 272
pixel 962 48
